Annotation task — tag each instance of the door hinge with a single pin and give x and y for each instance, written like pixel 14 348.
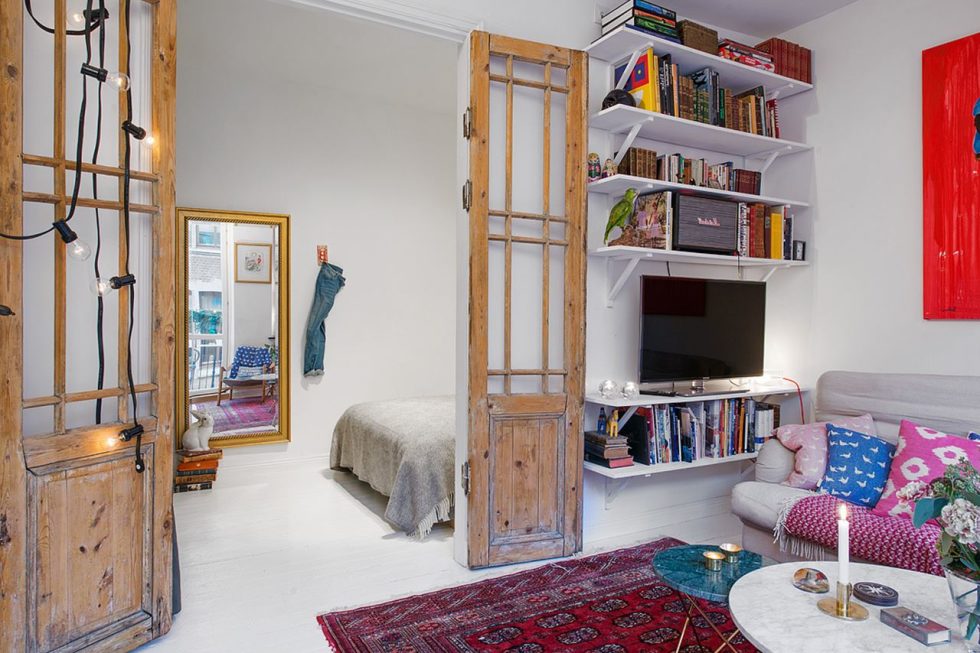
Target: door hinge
pixel 465 479
pixel 467 123
pixel 467 195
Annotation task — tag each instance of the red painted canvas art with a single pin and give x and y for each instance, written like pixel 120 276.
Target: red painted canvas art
pixel 951 180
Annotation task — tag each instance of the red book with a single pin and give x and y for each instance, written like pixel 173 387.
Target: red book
pixel 197 464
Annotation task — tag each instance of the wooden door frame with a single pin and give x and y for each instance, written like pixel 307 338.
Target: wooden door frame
pixel 88 444
pixel 480 405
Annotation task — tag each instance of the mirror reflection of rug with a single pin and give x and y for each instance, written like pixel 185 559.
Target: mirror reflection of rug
pixel 607 603
pixel 239 414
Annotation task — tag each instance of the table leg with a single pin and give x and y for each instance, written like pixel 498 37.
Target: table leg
pixel 726 642
pixel 687 621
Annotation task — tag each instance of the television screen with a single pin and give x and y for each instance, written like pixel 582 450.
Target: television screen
pixel 701 329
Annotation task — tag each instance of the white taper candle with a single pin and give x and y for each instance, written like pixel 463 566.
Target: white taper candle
pixel 843 545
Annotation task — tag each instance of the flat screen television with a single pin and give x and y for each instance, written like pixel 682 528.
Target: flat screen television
pixel 699 329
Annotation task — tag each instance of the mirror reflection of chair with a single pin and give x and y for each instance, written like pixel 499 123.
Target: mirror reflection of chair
pixel 251 367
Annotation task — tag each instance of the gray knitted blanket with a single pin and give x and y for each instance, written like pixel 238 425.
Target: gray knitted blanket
pixel 405 449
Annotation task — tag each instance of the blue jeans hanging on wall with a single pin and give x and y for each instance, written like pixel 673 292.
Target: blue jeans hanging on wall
pixel 328 284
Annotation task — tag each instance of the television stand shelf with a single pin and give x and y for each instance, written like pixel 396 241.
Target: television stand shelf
pixel 617 479
pixel 633 255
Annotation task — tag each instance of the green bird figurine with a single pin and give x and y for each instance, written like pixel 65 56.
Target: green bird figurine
pixel 621 213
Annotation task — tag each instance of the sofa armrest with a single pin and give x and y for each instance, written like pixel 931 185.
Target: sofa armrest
pixel 775 462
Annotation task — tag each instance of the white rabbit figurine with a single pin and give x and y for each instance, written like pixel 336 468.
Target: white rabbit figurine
pixel 197 435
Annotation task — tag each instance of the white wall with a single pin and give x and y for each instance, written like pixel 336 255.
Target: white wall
pixel 865 119
pixel 349 127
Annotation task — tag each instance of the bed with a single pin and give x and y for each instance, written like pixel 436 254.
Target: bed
pixel 405 449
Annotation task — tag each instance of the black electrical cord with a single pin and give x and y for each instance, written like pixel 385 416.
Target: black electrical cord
pixel 71 32
pixel 140 465
pixel 79 151
pixel 100 302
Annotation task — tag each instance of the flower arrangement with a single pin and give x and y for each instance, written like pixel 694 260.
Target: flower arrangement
pixel 953 500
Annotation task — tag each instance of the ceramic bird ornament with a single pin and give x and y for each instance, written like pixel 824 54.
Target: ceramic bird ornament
pixel 621 213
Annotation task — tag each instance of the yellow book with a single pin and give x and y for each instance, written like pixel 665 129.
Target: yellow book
pixel 776 231
pixel 643 83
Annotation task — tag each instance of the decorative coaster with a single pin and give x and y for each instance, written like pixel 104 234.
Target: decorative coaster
pixel 875 594
pixel 811 580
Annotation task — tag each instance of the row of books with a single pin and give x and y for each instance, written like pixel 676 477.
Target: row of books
pixel 679 169
pixel 656 85
pixel 765 232
pixel 644 16
pixel 697 430
pixel 196 470
pixel 790 59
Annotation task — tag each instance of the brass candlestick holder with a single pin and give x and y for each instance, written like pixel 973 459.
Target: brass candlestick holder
pixel 842 607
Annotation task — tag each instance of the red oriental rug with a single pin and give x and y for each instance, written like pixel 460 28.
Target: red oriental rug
pixel 244 413
pixel 607 603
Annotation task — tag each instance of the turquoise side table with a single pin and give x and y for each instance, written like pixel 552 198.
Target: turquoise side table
pixel 682 568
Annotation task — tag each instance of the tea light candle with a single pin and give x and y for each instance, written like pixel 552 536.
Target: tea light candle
pixel 731 551
pixel 712 560
pixel 843 545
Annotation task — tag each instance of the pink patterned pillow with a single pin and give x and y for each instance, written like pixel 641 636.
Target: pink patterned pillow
pixel 922 455
pixel 809 441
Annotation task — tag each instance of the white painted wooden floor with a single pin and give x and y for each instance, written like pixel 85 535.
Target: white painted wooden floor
pixel 271 547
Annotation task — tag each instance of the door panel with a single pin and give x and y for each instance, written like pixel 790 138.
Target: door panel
pixel 88 530
pixel 527 299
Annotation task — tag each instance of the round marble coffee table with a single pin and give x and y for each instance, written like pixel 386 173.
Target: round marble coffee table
pixel 778 618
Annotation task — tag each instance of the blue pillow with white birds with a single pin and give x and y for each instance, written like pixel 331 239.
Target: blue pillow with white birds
pixel 857 466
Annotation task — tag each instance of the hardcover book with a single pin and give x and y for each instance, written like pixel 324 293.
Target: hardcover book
pixel 911 623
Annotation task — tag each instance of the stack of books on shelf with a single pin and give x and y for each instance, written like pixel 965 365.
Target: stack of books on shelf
pixel 196 470
pixel 656 85
pixel 790 59
pixel 607 450
pixel 645 17
pixel 678 169
pixel 746 55
pixel 698 430
pixel 765 231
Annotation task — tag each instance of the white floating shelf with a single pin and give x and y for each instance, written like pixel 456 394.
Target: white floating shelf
pixel 619 45
pixel 780 388
pixel 648 470
pixel 634 255
pixel 679 131
pixel 617 185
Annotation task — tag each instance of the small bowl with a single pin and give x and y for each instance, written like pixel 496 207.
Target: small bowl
pixel 713 559
pixel 733 552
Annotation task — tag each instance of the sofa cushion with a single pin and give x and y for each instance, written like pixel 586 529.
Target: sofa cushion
pixel 759 503
pixel 857 466
pixel 809 441
pixel 774 462
pixel 922 455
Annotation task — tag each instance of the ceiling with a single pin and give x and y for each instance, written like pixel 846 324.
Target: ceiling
pixel 760 18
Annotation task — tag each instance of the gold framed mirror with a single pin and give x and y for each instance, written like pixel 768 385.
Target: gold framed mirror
pixel 233 321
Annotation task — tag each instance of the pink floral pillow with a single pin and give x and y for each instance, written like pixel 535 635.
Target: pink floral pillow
pixel 922 455
pixel 809 441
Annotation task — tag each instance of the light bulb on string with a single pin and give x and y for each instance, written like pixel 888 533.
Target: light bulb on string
pixel 119 80
pixel 76 21
pixel 100 287
pixel 77 249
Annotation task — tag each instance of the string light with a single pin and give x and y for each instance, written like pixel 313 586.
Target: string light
pixel 76 21
pixel 77 249
pixel 115 78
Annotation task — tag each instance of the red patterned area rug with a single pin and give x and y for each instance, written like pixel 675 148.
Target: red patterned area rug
pixel 235 414
pixel 607 603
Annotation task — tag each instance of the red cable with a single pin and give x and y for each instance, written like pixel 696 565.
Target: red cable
pixel 799 393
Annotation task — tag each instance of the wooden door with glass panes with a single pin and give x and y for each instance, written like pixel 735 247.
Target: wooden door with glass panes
pixel 526 199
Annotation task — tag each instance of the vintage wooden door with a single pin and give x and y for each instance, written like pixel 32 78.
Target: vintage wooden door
pixel 526 196
pixel 85 538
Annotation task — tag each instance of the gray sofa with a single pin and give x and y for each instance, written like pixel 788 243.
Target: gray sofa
pixel 947 403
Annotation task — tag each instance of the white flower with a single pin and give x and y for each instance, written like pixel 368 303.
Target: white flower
pixel 912 492
pixel 962 521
